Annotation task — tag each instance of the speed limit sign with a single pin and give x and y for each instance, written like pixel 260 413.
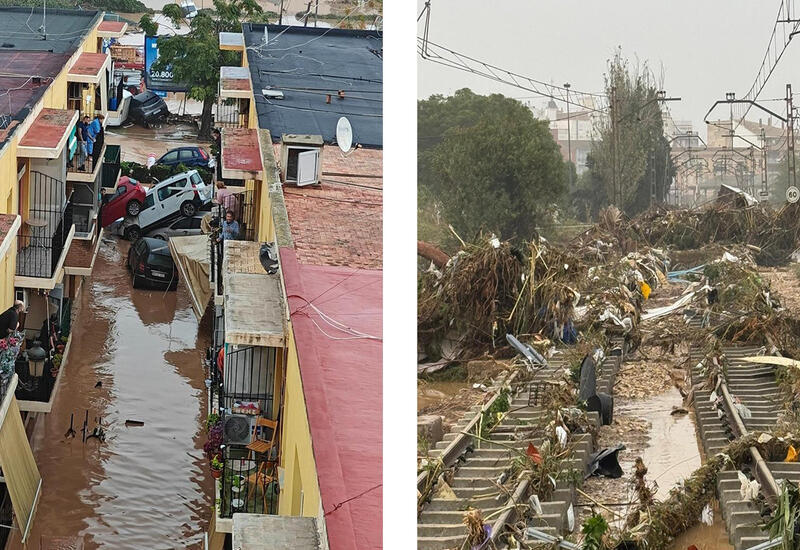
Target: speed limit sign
pixel 792 194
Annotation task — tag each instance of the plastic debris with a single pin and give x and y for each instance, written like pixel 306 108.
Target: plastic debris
pixel 707 516
pixel 536 505
pixel 570 518
pixel 791 454
pixel 561 433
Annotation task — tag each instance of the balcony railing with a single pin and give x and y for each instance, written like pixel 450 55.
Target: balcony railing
pixel 230 115
pixel 111 166
pixel 248 380
pixel 82 164
pixel 45 231
pixel 247 485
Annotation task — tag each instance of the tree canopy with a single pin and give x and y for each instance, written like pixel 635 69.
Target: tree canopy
pixel 195 57
pixel 485 163
pixel 632 146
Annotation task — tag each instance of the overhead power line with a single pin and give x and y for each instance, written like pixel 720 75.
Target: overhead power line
pixel 435 53
pixel 785 26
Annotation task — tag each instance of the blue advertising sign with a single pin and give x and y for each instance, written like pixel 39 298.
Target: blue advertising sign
pixel 157 81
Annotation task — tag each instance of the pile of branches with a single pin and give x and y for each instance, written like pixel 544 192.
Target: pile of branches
pixel 775 234
pixel 491 288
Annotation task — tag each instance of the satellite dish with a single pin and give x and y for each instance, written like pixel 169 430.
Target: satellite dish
pixel 344 134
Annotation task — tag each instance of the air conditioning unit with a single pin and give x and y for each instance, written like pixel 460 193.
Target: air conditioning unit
pixel 237 429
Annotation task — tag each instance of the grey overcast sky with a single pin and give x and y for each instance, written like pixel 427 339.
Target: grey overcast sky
pixel 704 47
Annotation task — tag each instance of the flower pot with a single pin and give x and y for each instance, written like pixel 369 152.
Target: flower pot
pixel 216 473
pixel 237 504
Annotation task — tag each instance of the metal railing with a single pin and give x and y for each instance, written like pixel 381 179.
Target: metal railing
pixel 249 379
pixel 230 115
pixel 111 166
pixel 46 229
pixel 244 487
pixel 81 164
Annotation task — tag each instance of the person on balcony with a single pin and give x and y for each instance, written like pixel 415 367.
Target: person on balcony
pixel 230 228
pixel 81 134
pixel 99 138
pixel 225 197
pixel 9 319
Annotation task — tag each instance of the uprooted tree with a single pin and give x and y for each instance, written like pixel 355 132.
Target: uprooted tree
pixel 485 163
pixel 631 158
pixel 195 58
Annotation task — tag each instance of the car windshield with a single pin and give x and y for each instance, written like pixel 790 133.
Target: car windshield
pixel 159 260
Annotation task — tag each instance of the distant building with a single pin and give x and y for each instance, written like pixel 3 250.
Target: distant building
pixel 574 133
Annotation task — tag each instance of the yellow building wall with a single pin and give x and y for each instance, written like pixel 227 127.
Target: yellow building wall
pixel 297 454
pixel 252 115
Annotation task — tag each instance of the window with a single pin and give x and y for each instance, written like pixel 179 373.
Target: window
pixel 172 156
pixel 74 96
pixel 149 201
pixel 301 165
pixel 164 193
pixel 141 247
pixel 119 192
pixel 195 223
pixel 196 179
pixel 183 223
pixel 185 154
pixel 170 189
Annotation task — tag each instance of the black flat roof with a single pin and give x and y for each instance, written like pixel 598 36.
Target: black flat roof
pixel 19 29
pixel 306 64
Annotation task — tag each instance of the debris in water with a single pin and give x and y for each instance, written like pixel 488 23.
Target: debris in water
pixel 71 431
pixel 678 411
pixel 99 384
pixel 134 423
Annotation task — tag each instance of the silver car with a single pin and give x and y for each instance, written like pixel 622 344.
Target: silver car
pixel 178 228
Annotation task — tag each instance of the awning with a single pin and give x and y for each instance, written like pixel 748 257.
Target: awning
pixel 89 67
pixel 254 303
pixel 48 134
pixel 191 255
pixel 22 477
pixel 111 29
pixel 235 82
pixel 241 154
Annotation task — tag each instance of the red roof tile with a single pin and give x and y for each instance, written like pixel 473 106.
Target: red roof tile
pixel 342 383
pixel 111 26
pixel 48 128
pixel 240 150
pixel 88 64
pixel 340 221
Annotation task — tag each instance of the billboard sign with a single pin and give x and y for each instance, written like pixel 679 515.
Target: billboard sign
pixel 157 81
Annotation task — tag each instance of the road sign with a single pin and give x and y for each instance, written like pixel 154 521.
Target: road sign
pixel 792 194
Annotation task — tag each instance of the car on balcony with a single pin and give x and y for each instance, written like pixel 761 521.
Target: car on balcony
pixel 188 156
pixel 183 194
pixel 151 264
pixel 127 200
pixel 147 109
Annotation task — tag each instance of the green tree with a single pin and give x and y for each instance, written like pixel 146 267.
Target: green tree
pixel 195 57
pixel 147 25
pixel 631 140
pixel 485 163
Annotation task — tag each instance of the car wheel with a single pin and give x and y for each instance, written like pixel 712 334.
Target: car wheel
pixel 133 208
pixel 132 233
pixel 188 209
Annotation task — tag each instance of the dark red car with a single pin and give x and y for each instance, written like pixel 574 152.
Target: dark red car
pixel 126 200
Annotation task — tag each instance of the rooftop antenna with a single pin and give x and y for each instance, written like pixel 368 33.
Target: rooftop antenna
pixel 266 35
pixel 43 28
pixel 344 134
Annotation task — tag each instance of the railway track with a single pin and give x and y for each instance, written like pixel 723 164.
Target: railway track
pixel 753 386
pixel 479 466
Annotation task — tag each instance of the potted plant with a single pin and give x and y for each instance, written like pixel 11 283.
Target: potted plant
pixel 237 484
pixel 216 467
pixel 211 421
pixel 212 445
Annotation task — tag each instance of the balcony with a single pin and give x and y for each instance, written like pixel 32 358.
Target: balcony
pixel 46 233
pixel 82 170
pixel 248 380
pixel 247 485
pixel 242 204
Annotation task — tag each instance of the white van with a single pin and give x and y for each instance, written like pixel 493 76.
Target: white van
pixel 179 195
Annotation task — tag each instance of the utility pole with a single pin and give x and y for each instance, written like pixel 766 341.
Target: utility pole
pixel 569 139
pixel 764 183
pixel 790 136
pixel 280 14
pixel 316 13
pixel 652 177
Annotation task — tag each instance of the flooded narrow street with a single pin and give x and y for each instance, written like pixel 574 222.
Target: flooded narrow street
pixel 135 355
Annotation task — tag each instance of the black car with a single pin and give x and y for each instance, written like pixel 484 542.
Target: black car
pixel 151 264
pixel 188 156
pixel 147 108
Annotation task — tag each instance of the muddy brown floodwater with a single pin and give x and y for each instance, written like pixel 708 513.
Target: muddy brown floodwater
pixel 145 487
